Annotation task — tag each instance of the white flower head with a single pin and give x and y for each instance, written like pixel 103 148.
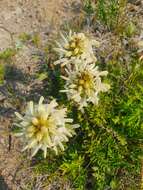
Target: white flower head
pixel 45 126
pixel 76 45
pixel 83 83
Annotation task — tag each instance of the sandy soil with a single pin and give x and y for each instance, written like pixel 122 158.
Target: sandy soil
pixel 19 16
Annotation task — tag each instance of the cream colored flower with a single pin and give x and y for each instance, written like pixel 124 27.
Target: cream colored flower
pixel 45 126
pixel 83 83
pixel 76 45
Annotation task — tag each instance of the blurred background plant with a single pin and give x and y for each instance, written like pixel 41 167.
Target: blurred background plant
pixel 113 14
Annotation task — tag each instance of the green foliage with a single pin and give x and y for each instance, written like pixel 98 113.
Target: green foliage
pixel 72 167
pixel 130 29
pixel 41 76
pixel 113 130
pixel 33 38
pixel 108 143
pixel 5 59
pixel 7 54
pixel 88 7
pixel 24 37
pixel 2 73
pixel 110 12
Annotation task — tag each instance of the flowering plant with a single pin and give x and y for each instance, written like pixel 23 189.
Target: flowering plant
pixel 76 45
pixel 83 83
pixel 44 126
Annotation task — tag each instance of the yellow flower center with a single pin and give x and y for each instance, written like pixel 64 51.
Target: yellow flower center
pixel 75 47
pixel 40 128
pixel 85 83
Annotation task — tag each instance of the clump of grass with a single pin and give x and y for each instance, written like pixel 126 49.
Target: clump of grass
pixel 110 12
pixel 24 37
pixel 5 58
pixel 130 29
pixel 88 7
pixel 2 73
pixel 33 38
pixel 7 54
